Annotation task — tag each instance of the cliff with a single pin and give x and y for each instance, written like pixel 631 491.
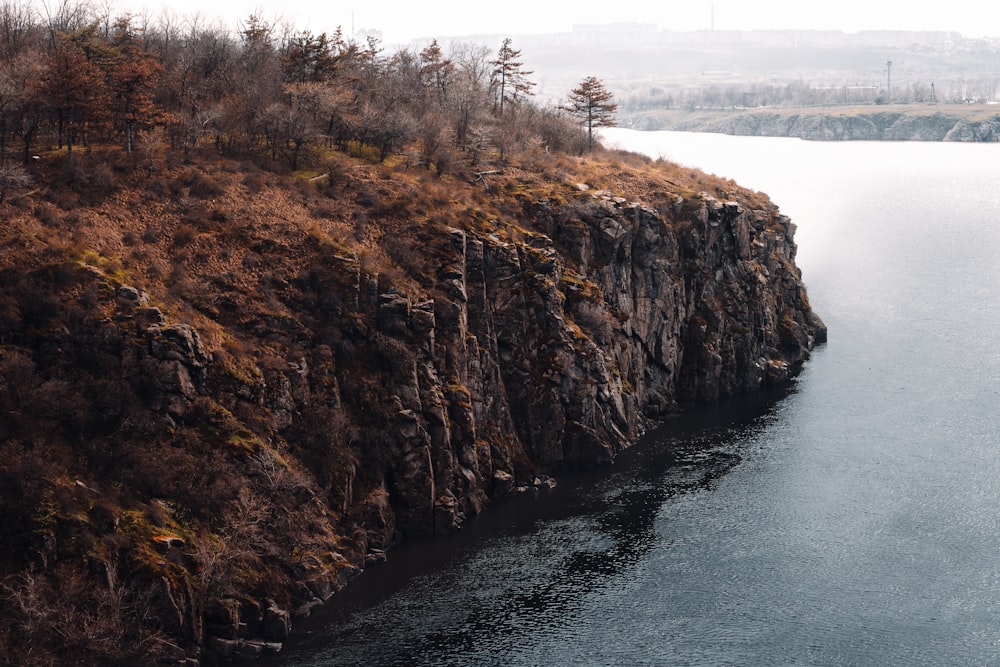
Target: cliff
pixel 226 390
pixel 967 123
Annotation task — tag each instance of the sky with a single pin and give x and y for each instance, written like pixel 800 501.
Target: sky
pixel 403 20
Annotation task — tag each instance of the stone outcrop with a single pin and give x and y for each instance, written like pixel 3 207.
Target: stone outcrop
pixel 243 464
pixel 537 350
pixel 559 347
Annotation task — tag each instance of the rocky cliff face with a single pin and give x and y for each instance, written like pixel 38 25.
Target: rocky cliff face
pixel 559 347
pixel 243 459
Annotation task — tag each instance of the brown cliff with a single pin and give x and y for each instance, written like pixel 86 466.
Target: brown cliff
pixel 225 391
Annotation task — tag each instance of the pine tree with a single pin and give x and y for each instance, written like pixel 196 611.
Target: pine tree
pixel 307 57
pixel 510 82
pixel 132 74
pixel 74 87
pixel 591 103
pixel 435 70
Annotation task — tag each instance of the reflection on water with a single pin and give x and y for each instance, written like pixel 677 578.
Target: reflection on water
pixel 531 565
pixel 850 521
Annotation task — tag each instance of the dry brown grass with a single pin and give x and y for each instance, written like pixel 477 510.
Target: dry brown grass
pixel 264 266
pixel 222 244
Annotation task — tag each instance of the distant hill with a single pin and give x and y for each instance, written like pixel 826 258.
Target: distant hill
pixel 970 123
pixel 646 66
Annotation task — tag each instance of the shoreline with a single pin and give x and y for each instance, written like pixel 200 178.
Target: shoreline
pixel 897 122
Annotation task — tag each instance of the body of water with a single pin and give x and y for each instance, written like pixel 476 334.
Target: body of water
pixel 852 518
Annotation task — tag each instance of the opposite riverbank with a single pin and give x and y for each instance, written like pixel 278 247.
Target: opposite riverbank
pixel 897 122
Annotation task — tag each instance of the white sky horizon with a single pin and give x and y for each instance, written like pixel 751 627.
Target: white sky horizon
pixel 401 22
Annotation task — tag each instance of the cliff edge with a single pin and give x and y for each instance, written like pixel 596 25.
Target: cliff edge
pixel 227 390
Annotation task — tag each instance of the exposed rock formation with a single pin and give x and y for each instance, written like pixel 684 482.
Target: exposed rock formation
pixel 243 461
pixel 559 347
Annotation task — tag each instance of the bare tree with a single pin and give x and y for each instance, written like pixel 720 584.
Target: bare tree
pixel 467 97
pixel 12 177
pixel 65 16
pixel 294 125
pixel 16 26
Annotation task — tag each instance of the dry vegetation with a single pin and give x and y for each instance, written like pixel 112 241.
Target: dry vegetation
pixel 95 482
pixel 126 521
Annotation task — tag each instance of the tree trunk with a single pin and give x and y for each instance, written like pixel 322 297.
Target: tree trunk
pixel 69 137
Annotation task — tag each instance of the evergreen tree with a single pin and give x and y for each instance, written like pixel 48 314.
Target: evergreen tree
pixel 591 103
pixel 510 82
pixel 307 57
pixel 132 74
pixel 75 87
pixel 436 70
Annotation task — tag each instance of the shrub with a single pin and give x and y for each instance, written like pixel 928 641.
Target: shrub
pixel 202 186
pixel 13 177
pixel 184 234
pixel 94 180
pixel 254 182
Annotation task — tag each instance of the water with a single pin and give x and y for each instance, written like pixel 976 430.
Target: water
pixel 852 518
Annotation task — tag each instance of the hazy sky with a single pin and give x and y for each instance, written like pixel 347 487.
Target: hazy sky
pixel 402 20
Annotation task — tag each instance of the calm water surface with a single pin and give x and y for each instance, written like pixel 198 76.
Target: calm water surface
pixel 852 518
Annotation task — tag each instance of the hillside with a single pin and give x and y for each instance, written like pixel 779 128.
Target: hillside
pixel 226 389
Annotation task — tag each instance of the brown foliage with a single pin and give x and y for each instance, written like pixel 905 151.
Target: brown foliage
pixel 68 617
pixel 286 439
pixel 293 99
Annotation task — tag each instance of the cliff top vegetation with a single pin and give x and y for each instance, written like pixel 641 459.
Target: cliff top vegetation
pixel 110 495
pixel 177 199
pixel 83 78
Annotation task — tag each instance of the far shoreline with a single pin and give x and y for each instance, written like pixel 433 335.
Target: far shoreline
pixel 979 122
